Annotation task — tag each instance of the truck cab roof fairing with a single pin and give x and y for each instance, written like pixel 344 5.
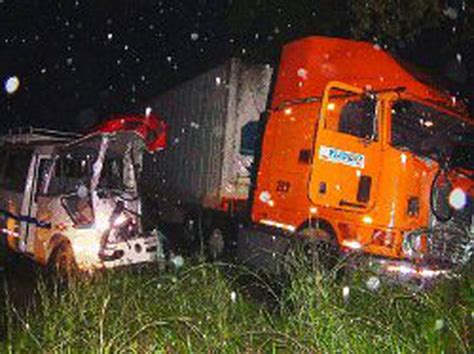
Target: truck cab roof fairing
pixel 308 64
pixel 151 129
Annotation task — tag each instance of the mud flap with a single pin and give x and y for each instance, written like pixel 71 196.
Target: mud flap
pixel 262 250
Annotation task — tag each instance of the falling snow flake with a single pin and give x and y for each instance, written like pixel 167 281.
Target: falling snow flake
pixel 302 73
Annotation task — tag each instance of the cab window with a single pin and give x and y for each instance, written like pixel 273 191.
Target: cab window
pixel 355 116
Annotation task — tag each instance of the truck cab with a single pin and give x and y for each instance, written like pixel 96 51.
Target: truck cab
pixel 72 202
pixel 351 152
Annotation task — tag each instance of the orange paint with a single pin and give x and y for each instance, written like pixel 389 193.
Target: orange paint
pixel 311 169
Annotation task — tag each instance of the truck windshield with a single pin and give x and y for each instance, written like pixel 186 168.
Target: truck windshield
pixel 424 130
pixel 463 157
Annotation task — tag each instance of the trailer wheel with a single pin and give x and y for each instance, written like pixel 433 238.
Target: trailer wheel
pixel 216 243
pixel 62 262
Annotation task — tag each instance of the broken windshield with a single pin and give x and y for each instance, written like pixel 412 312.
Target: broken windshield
pixel 74 167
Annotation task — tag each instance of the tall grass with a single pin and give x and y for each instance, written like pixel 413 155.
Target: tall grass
pixel 222 308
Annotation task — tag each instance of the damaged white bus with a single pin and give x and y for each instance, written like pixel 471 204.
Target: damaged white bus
pixel 72 202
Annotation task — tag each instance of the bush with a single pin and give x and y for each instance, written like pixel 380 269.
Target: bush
pixel 218 307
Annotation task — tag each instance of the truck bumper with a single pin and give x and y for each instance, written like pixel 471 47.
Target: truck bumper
pixel 265 248
pixel 398 270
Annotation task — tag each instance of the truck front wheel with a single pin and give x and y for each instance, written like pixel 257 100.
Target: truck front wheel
pixel 321 249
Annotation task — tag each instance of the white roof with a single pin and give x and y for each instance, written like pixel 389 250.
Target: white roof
pixel 34 135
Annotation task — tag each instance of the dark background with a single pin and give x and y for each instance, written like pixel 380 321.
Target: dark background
pixel 78 61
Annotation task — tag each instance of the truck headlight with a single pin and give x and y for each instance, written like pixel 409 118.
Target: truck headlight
pixel 457 198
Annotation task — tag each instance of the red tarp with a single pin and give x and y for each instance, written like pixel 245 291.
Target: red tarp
pixel 150 128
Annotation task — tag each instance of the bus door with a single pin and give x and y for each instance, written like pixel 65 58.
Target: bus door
pixel 39 175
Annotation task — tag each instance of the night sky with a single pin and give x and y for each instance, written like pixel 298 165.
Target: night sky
pixel 78 60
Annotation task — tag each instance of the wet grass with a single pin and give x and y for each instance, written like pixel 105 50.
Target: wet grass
pixel 223 308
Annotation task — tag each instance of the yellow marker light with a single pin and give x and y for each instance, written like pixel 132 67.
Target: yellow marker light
pixel 352 244
pixel 331 106
pixel 367 220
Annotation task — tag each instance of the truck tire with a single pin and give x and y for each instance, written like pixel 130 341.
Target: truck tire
pixel 220 240
pixel 321 249
pixel 62 262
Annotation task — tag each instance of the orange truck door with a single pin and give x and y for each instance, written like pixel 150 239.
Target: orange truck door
pixel 347 151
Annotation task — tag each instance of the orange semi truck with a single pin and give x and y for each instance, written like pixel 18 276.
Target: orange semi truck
pixel 360 153
pixel 353 142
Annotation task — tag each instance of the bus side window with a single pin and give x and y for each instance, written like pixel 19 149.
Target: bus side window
pixel 16 170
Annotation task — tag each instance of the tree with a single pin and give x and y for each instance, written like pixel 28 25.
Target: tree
pixel 396 23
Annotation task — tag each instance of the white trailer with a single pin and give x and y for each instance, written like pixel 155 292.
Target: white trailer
pixel 205 173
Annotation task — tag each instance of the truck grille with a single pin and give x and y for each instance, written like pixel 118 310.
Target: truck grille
pixel 449 245
pixel 452 242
